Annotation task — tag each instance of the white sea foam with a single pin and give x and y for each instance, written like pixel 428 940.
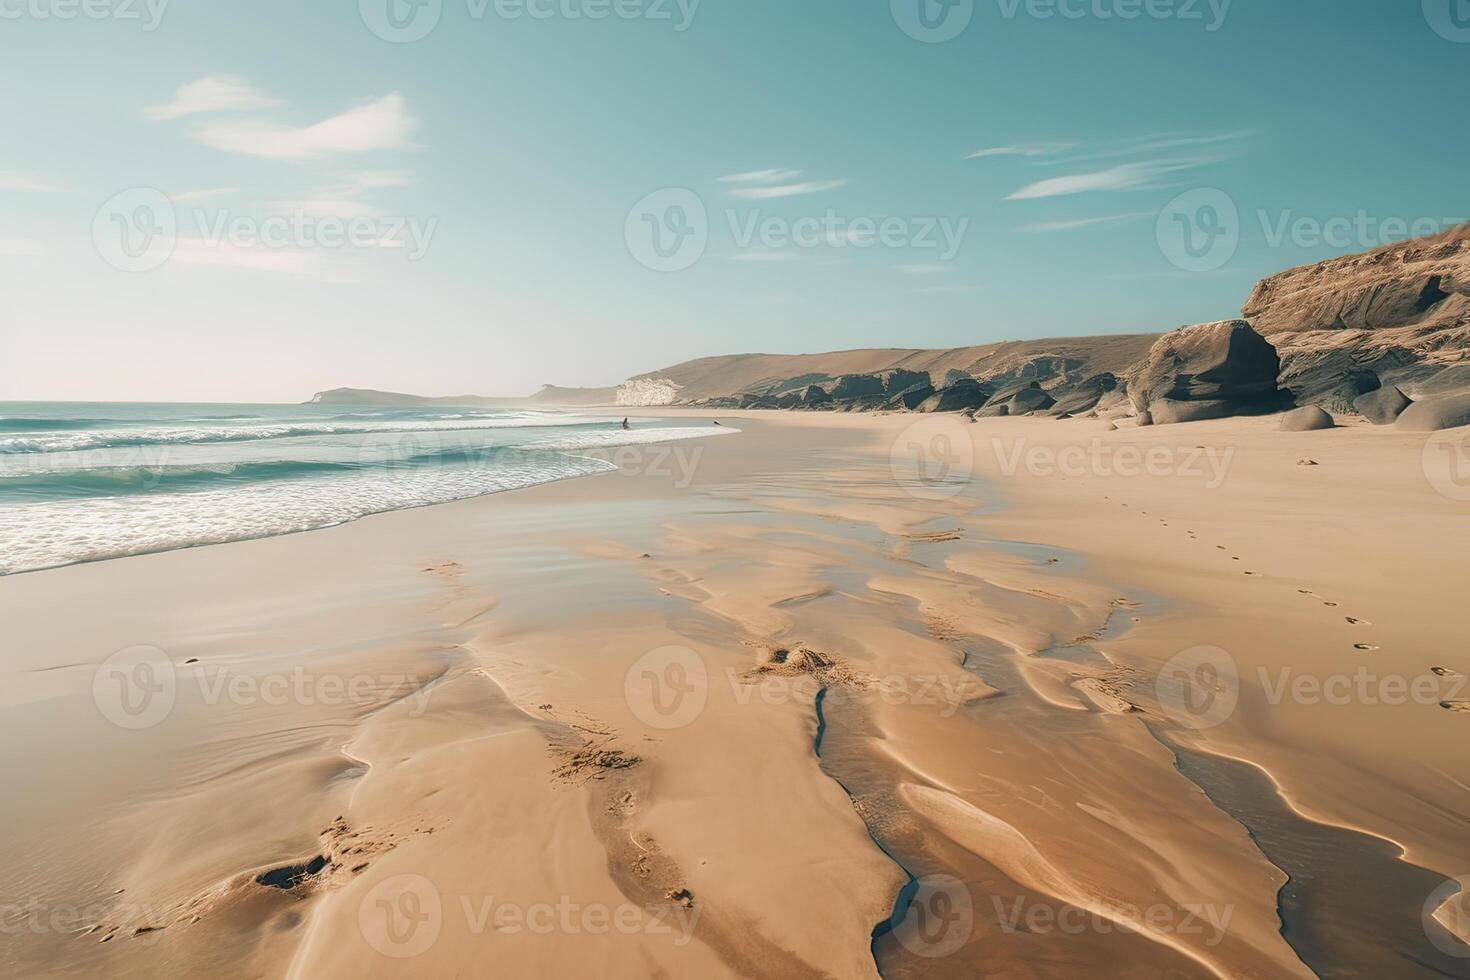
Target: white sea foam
pixel 45 535
pixel 73 441
pixel 600 439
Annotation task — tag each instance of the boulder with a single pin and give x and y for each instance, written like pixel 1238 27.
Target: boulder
pixel 1218 369
pixel 964 394
pixel 911 398
pixel 1382 407
pixel 1434 414
pixel 993 411
pixel 1306 419
pixel 897 380
pixel 1077 403
pixel 1145 418
pixel 1031 400
pixel 856 386
pixel 814 396
pixel 1171 411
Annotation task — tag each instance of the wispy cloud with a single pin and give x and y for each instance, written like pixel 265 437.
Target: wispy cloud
pixel 788 190
pixel 217 93
pixel 257 259
pixel 1021 150
pixel 1221 145
pixel 15 182
pixel 1124 177
pixel 383 124
pixel 1107 219
pixel 1144 162
pixel 775 175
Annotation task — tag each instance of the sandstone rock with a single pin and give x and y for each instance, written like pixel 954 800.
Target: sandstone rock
pixel 1219 369
pixel 1169 411
pixel 1401 311
pixel 1434 414
pixel 1381 407
pixel 964 394
pixel 898 380
pixel 1031 400
pixel 814 396
pixel 994 410
pixel 856 386
pixel 912 398
pixel 1306 419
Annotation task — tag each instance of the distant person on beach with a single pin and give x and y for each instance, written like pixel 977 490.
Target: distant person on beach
pixel 626 425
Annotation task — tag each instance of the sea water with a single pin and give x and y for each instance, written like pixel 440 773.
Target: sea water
pixel 85 482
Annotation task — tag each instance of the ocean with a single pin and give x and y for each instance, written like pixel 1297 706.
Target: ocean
pixel 86 482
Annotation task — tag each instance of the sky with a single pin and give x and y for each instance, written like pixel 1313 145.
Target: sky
pixel 256 201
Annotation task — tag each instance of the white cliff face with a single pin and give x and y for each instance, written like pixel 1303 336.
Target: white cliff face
pixel 645 392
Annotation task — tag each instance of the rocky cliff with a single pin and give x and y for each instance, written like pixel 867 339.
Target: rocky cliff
pixel 1397 315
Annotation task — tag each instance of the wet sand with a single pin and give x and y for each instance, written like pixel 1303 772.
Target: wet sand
pixel 864 698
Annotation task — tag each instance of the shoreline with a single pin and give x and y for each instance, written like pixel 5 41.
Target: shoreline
pixel 518 618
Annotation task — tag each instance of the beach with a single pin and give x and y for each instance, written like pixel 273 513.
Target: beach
pixel 837 695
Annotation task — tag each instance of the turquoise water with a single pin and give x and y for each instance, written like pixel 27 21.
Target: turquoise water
pixel 84 482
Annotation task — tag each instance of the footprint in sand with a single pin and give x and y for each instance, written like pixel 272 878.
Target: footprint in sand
pixel 1256 574
pixel 1365 647
pixel 1358 622
pixel 1447 672
pixel 1332 604
pixel 1463 707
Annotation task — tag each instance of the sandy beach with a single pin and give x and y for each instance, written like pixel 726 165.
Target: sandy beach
pixel 842 695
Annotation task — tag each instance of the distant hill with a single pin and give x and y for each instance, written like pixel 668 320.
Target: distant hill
pixel 718 377
pixel 548 395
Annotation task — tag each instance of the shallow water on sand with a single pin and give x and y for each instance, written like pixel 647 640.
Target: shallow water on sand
pixel 1352 908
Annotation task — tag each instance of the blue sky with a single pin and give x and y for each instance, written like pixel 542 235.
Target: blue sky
pixel 839 181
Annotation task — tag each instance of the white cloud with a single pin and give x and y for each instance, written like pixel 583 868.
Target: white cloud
pixel 775 175
pixel 291 261
pixel 1021 150
pixel 788 190
pixel 380 125
pixel 217 93
pixel 15 182
pixel 1124 177
pixel 1107 219
pixel 1226 145
pixel 327 207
